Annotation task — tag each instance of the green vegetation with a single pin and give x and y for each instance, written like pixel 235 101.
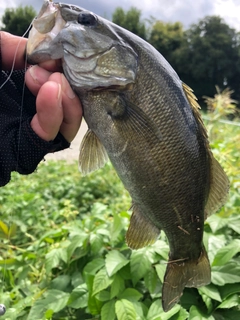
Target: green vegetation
pixel 17 21
pixel 64 256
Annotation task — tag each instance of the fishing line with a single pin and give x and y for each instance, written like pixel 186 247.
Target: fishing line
pixel 2 306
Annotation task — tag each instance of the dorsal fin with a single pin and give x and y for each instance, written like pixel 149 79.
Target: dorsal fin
pixel 219 183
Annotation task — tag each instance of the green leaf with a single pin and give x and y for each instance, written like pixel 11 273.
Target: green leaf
pixel 195 314
pixel 103 295
pixel 234 223
pixel 130 294
pixel 52 259
pixel 216 222
pixel 76 242
pixel 211 291
pixel 93 266
pixel 150 280
pixel 226 253
pixel 117 286
pixel 56 300
pixel 155 310
pixel 160 269
pixel 230 302
pixel 78 297
pixel 229 289
pixel 116 227
pixel 61 282
pixel 108 311
pixel 229 273
pixel 139 264
pixel 114 262
pixel 101 281
pixel 125 310
pixel 3 230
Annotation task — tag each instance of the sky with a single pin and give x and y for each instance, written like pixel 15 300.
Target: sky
pixel 186 11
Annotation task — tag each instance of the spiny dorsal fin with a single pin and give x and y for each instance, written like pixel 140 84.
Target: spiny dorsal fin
pixel 141 231
pixel 92 153
pixel 219 183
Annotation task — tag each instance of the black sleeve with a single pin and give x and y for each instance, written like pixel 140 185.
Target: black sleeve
pixel 20 148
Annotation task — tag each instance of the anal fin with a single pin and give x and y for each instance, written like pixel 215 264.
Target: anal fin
pixel 141 231
pixel 187 273
pixel 92 153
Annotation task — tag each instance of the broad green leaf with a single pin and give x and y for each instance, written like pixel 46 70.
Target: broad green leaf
pixel 150 280
pixel 96 242
pixel 117 286
pixel 139 264
pixel 61 282
pixel 93 266
pixel 4 230
pixel 182 314
pixel 116 227
pixel 160 269
pixel 216 222
pixel 103 295
pixel 130 294
pixel 195 314
pixel 214 244
pixel 155 310
pixel 229 289
pixel 114 262
pixel 161 248
pixel 229 273
pixel 76 242
pixel 38 310
pixel 226 253
pixel 78 297
pixel 211 291
pixel 56 300
pixel 52 259
pixel 108 311
pixel 234 223
pixel 101 281
pixel 230 302
pixel 170 313
pixel 125 310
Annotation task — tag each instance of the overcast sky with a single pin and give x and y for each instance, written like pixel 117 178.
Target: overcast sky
pixel 186 11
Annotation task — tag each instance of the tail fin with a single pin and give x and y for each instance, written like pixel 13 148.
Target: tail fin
pixel 179 275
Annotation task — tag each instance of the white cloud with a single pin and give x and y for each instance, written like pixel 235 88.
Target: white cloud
pixel 186 11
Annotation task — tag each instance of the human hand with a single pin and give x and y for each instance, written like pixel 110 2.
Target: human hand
pixel 58 108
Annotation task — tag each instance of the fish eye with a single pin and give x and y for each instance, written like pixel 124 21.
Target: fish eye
pixel 87 19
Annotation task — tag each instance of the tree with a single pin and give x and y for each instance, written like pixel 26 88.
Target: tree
pixel 17 21
pixel 210 57
pixel 130 20
pixel 167 38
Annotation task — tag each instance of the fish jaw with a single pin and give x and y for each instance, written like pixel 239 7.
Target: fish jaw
pixel 91 58
pixel 45 27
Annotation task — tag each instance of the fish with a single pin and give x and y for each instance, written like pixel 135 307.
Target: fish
pixel 142 117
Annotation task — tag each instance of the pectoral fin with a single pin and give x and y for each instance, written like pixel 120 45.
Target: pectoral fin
pixel 92 153
pixel 141 232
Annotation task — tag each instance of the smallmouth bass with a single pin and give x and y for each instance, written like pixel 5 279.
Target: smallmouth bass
pixel 148 123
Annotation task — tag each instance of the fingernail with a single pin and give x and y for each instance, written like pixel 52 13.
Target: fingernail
pixel 33 73
pixel 67 89
pixel 59 95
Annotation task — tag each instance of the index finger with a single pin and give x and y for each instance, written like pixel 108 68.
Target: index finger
pixel 11 47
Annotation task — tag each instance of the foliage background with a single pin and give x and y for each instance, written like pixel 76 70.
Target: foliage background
pixel 63 250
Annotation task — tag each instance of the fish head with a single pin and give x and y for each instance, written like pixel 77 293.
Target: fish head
pixel 93 54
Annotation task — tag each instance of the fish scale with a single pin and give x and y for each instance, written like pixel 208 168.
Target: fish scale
pixel 147 121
